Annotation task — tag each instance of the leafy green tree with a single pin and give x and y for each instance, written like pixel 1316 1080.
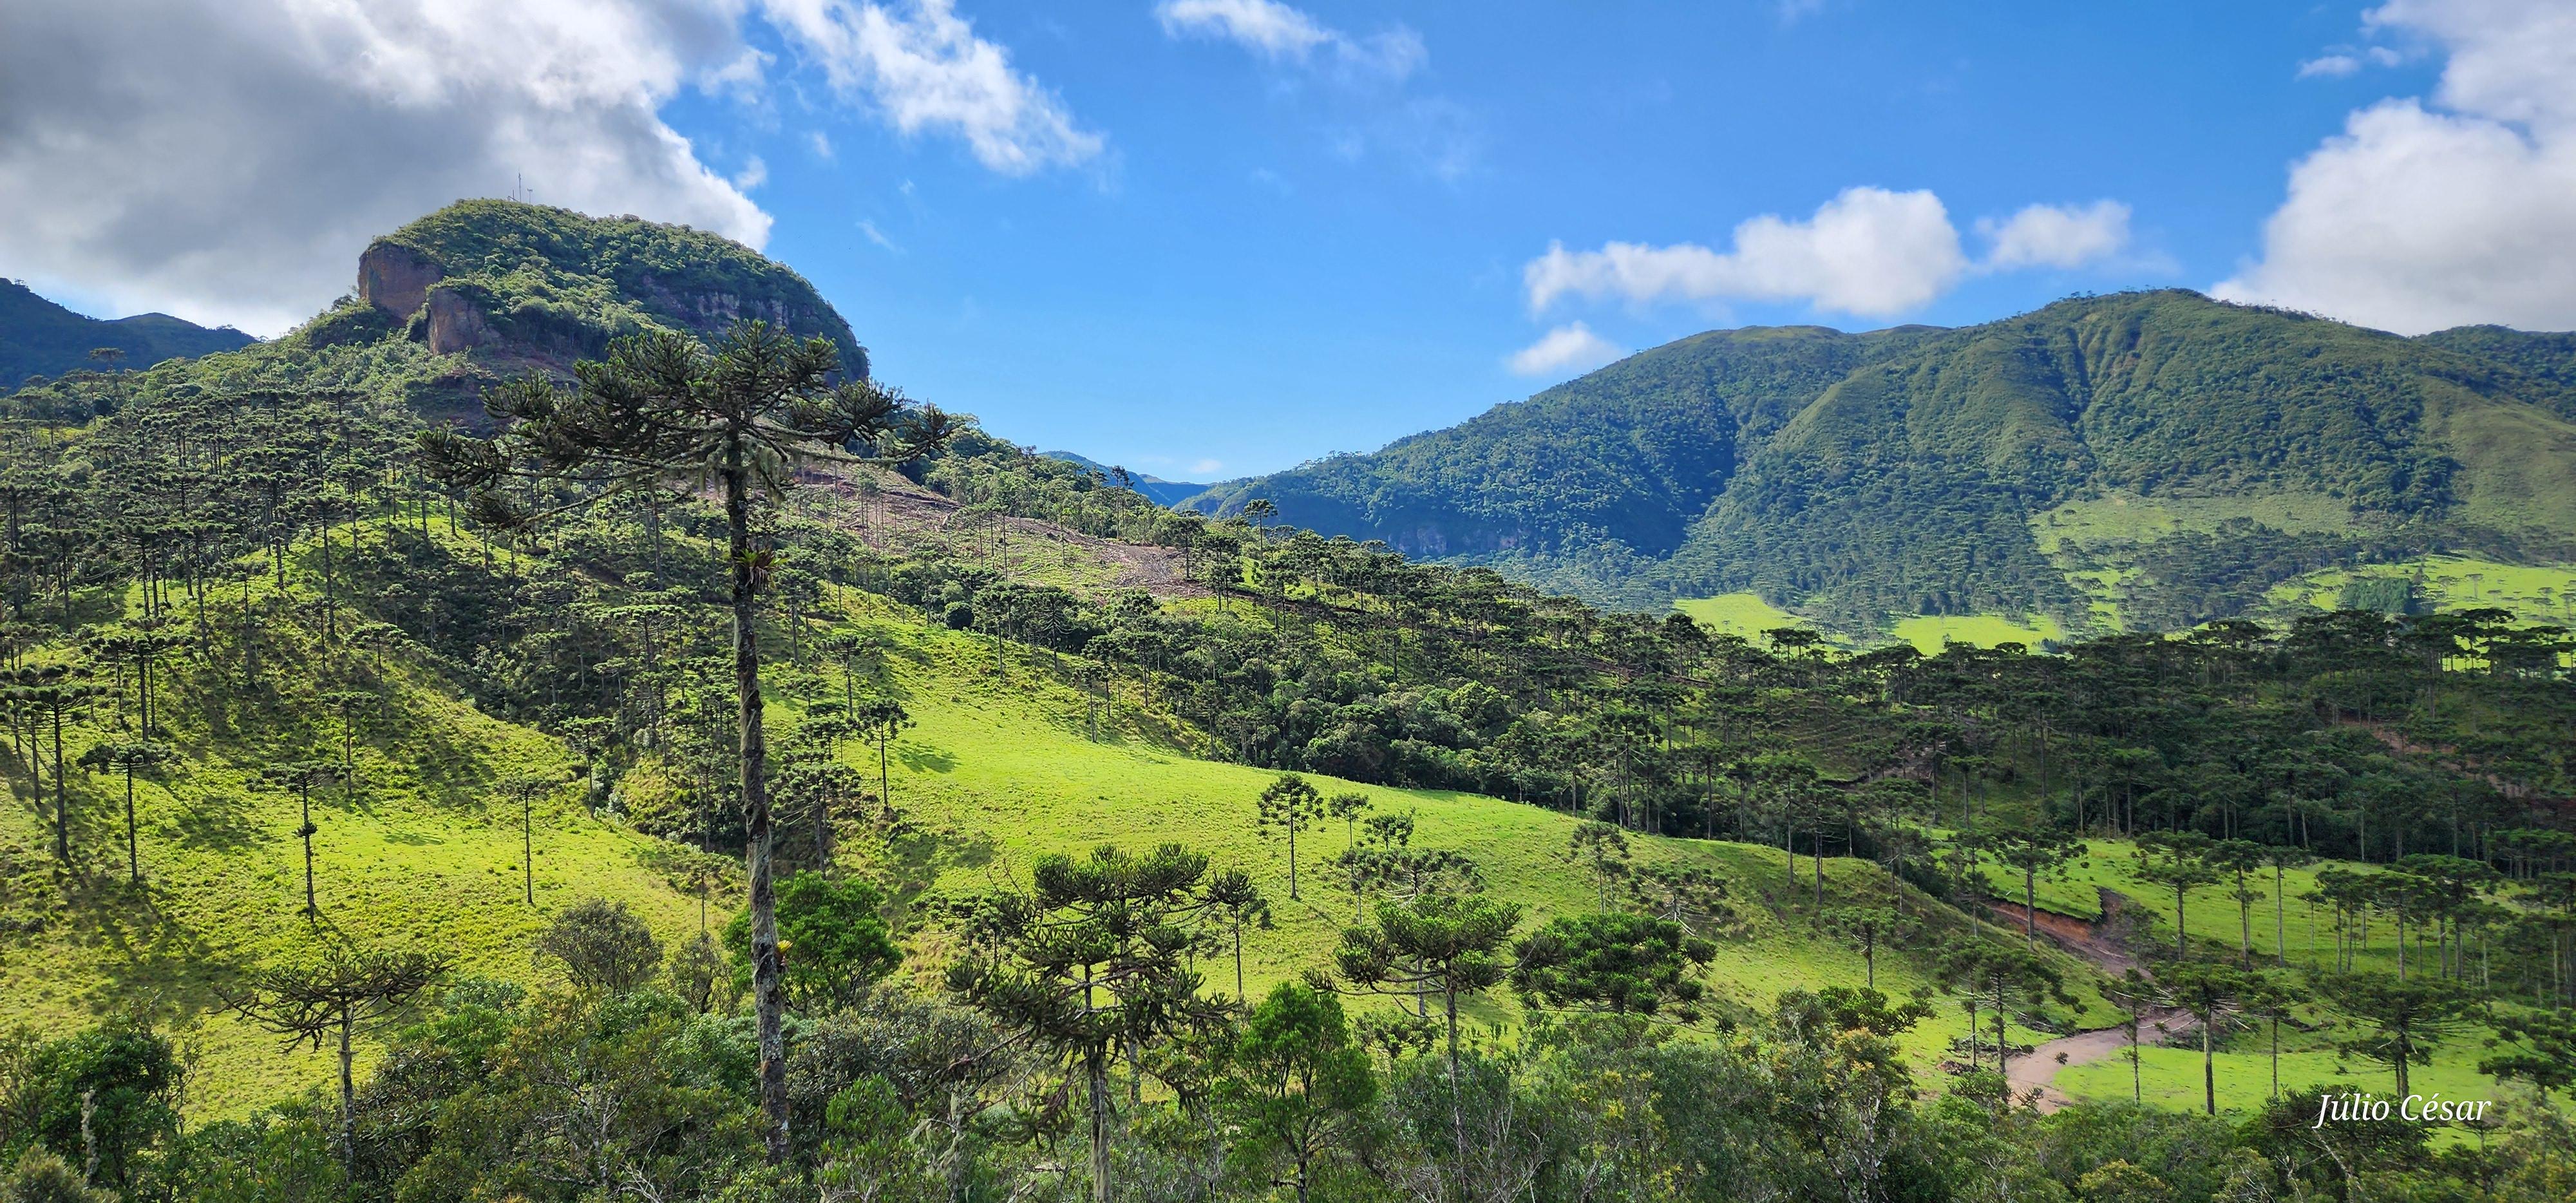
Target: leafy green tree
pixel 2000 976
pixel 604 947
pixel 2136 995
pixel 2282 858
pixel 2405 1019
pixel 835 936
pixel 879 720
pixel 1094 959
pixel 2033 851
pixel 1867 925
pixel 1615 963
pixel 55 692
pixel 41 1177
pixel 697 967
pixel 2542 1048
pixel 301 776
pixel 2209 991
pixel 525 789
pixel 1238 904
pixel 2239 858
pixel 1694 897
pixel 109 1095
pixel 2179 859
pixel 1299 1088
pixel 1289 806
pixel 1348 808
pixel 130 757
pixel 332 992
pixel 1600 850
pixel 1447 944
pixel 662 409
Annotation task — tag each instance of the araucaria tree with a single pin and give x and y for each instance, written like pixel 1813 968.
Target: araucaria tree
pixel 1289 806
pixel 331 996
pixel 742 415
pixel 1096 961
pixel 130 757
pixel 2033 851
pixel 2179 859
pixel 301 776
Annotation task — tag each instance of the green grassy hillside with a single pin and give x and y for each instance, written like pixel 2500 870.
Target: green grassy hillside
pixel 2146 461
pixel 425 850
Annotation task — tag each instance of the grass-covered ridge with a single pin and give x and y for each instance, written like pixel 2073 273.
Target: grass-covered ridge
pixel 2145 461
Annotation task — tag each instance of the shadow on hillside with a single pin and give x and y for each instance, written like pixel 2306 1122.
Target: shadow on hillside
pixel 218 822
pixel 149 965
pixel 914 859
pixel 926 760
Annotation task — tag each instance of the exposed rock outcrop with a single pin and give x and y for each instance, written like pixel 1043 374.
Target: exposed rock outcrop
pixel 454 323
pixel 396 278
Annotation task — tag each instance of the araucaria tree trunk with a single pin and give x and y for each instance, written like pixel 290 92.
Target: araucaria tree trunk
pixel 767 984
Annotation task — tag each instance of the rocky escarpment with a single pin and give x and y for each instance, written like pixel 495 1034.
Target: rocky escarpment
pixel 396 278
pixel 544 287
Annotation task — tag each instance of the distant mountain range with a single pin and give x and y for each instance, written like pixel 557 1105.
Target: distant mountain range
pixel 41 338
pixel 2146 460
pixel 1155 488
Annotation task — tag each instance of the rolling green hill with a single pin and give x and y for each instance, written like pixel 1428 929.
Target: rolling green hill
pixel 39 337
pixel 390 726
pixel 2140 461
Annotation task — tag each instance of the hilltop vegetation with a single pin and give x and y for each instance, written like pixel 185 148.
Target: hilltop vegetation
pixel 1720 917
pixel 41 338
pixel 1866 479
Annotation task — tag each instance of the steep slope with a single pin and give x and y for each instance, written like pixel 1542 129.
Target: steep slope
pixel 1609 470
pixel 41 338
pixel 1864 479
pixel 484 290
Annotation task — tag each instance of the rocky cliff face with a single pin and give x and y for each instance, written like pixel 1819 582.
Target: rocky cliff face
pixel 396 278
pixel 454 323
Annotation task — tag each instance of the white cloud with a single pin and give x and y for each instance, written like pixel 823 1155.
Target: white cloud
pixel 1280 33
pixel 1867 251
pixel 2332 66
pixel 1206 467
pixel 820 143
pixel 924 69
pixel 1572 346
pixel 2061 236
pixel 227 162
pixel 753 175
pixel 876 236
pixel 2419 216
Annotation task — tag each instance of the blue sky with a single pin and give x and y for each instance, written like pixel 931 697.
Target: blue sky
pixel 1269 263
pixel 1216 237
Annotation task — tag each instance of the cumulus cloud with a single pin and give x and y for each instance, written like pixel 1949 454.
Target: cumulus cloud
pixel 2420 215
pixel 1280 33
pixel 2061 236
pixel 924 69
pixel 1867 251
pixel 227 162
pixel 1572 346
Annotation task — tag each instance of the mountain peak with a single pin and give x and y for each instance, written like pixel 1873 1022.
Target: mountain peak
pixel 40 337
pixel 551 284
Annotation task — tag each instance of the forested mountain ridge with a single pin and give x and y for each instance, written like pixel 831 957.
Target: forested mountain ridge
pixel 1432 887
pixel 1866 478
pixel 41 338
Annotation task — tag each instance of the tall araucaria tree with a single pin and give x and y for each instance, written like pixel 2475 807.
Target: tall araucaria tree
pixel 740 415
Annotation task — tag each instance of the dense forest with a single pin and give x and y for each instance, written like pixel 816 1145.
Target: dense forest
pixel 693 563
pixel 1863 478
